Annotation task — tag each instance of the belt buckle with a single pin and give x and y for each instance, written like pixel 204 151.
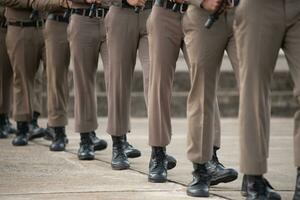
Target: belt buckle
pixel 102 13
pixel 181 9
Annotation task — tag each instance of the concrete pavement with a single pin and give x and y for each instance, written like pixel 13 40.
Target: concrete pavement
pixel 33 172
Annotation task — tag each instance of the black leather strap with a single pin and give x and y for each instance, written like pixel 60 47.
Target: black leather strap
pixel 176 7
pixel 58 18
pixel 38 23
pixel 100 12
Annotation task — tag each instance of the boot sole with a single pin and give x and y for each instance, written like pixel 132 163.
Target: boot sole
pixel 40 135
pixel 57 149
pixel 116 167
pixel 197 195
pixel 133 155
pixel 225 179
pixel 99 148
pixel 86 157
pixel 157 180
pixel 20 144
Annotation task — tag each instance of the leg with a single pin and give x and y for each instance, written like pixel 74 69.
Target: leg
pixel 34 130
pixel 144 52
pixel 58 60
pixel 257 51
pixel 6 76
pixel 25 65
pixel 165 38
pixel 122 41
pixel 291 49
pixel 85 46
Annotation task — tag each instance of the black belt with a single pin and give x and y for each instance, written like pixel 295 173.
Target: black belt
pixel 148 5
pixel 176 7
pixel 3 24
pixel 100 12
pixel 58 18
pixel 38 23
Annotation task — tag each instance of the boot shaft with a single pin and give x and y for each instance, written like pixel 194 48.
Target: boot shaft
pixel 86 138
pixel 35 117
pixel 158 152
pixel 60 131
pixel 2 119
pixel 23 128
pixel 118 141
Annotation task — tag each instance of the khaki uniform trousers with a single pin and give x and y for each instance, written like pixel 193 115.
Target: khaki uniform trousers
pixel 25 46
pixel 206 49
pixel 165 41
pixel 87 38
pixel 126 34
pixel 39 83
pixel 6 76
pixel 58 60
pixel 261 29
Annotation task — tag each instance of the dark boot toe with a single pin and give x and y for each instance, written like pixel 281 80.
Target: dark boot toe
pixel 171 162
pixel 20 141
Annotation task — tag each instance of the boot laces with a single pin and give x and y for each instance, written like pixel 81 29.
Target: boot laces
pixel 159 156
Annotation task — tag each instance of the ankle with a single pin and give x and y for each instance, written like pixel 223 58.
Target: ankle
pixel 117 140
pixel 85 137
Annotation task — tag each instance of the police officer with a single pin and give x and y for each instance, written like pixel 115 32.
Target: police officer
pixel 5 81
pixel 126 35
pixel 86 34
pixel 261 29
pixel 23 32
pixel 58 59
pixel 206 50
pixel 166 40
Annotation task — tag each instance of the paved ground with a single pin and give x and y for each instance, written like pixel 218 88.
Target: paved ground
pixel 33 172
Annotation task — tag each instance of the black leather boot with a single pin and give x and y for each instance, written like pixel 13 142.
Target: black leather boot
pixel 99 144
pixel 3 130
pixel 199 187
pixel 297 189
pixel 34 130
pixel 158 165
pixel 9 127
pixel 49 133
pixel 60 139
pixel 86 149
pixel 219 173
pixel 21 138
pixel 119 159
pixel 130 151
pixel 171 162
pixel 258 188
pixel 271 194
